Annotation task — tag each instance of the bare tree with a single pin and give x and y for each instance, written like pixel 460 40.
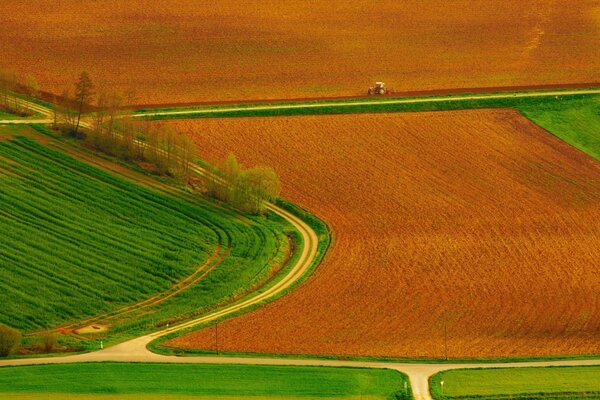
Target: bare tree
pixel 5 78
pixel 54 112
pixel 101 111
pixel 83 95
pixel 65 111
pixel 32 88
pixel 115 101
pixel 8 87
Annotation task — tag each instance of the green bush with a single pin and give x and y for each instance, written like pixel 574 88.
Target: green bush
pixel 9 340
pixel 47 341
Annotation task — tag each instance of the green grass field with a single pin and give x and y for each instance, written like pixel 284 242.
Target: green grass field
pixel 518 383
pixel 119 380
pixel 78 241
pixel 576 121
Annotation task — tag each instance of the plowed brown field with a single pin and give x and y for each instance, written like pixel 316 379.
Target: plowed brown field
pixel 478 220
pixel 194 50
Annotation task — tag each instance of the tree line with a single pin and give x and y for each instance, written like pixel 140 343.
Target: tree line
pixel 11 85
pixel 248 190
pixel 111 129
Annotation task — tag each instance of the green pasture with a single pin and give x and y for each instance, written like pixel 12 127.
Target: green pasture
pixel 136 380
pixel 518 383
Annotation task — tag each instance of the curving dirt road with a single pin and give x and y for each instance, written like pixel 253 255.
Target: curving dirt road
pixel 419 373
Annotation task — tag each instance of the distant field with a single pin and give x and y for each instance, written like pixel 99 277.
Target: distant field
pixel 517 383
pixel 103 381
pixel 187 50
pixel 78 241
pixel 476 220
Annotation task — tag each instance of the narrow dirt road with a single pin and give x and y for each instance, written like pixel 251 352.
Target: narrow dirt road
pixel 135 350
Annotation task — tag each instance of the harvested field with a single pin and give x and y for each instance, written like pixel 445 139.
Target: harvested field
pixel 478 220
pixel 188 50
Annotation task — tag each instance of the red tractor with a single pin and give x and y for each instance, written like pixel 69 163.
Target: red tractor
pixel 379 88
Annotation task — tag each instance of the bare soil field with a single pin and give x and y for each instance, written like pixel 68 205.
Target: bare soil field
pixel 189 51
pixel 476 220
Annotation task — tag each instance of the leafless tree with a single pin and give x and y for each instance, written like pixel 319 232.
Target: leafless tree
pixel 83 95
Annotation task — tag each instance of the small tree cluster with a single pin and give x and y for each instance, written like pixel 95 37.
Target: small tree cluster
pixel 248 190
pixel 9 340
pixel 113 131
pixel 68 111
pixel 47 341
pixel 10 86
pixel 170 151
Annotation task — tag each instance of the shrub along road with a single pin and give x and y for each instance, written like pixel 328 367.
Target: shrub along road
pixel 136 350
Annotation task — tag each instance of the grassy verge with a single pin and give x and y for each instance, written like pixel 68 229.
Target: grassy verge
pixel 204 381
pixel 518 383
pixel 324 235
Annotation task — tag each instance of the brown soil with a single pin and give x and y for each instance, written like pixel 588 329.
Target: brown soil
pixel 185 51
pixel 476 220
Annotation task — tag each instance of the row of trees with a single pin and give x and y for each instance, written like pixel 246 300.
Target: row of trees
pixel 244 189
pixel 10 86
pixel 113 131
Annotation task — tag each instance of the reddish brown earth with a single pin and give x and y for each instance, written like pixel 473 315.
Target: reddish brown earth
pixel 198 50
pixel 478 220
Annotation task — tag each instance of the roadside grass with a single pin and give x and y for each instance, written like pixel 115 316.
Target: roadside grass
pixel 582 382
pixel 367 105
pixel 206 381
pixel 79 241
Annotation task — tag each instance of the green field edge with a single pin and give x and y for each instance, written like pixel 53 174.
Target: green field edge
pixel 437 393
pixel 401 391
pixel 375 105
pixel 324 234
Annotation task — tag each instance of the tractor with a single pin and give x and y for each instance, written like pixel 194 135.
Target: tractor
pixel 379 88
